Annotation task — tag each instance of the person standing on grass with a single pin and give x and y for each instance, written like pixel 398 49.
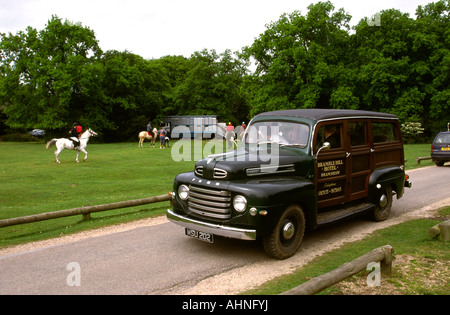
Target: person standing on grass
pixel 162 137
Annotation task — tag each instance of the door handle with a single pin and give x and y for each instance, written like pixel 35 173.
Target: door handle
pixel 347 154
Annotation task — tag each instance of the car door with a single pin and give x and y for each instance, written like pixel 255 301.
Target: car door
pixel 331 165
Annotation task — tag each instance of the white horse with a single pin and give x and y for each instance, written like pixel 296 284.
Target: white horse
pixel 64 143
pixel 230 138
pixel 146 135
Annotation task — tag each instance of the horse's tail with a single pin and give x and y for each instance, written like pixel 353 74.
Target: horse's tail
pixel 50 143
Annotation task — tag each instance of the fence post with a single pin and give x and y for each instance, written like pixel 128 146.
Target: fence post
pixel 386 263
pixel 442 229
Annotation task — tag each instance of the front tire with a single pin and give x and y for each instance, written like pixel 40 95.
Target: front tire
pixel 286 237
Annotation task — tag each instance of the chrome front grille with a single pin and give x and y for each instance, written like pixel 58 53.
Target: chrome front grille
pixel 210 203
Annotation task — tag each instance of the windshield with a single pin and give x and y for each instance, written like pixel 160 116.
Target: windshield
pixel 278 132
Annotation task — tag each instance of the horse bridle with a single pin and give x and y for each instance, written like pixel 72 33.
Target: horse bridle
pixel 91 133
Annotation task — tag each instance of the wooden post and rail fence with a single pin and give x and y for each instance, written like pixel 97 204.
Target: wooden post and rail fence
pixel 383 254
pixel 85 211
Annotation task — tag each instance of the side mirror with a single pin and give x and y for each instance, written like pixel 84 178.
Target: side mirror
pixel 325 146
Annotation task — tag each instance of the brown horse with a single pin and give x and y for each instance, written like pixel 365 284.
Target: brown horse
pixel 146 135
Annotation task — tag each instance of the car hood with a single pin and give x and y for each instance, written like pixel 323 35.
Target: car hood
pixel 244 163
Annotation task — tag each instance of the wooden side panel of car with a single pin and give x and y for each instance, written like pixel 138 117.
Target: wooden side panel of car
pixel 342 173
pixel 387 144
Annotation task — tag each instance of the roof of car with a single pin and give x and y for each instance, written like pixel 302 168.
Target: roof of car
pixel 322 114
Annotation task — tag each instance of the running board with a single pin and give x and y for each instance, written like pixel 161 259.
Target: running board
pixel 340 214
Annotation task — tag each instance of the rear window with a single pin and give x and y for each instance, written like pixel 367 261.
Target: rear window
pixel 442 138
pixel 383 132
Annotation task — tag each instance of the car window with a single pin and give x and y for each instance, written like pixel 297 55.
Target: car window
pixel 443 138
pixel 357 131
pixel 383 132
pixel 331 134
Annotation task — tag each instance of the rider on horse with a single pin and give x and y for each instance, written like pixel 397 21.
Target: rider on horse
pixel 149 128
pixel 75 134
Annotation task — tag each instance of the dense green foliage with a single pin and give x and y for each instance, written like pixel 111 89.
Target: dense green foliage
pixel 401 65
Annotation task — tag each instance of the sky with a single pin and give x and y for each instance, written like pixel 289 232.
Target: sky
pixel 157 28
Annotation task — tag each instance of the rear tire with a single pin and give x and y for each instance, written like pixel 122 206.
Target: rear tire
pixel 383 208
pixel 286 237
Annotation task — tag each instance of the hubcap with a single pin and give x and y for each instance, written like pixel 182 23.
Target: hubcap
pixel 288 230
pixel 383 201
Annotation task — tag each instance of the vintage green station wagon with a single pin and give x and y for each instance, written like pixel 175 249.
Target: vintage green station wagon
pixel 294 171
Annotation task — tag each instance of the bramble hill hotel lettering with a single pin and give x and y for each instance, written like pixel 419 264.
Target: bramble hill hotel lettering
pixel 330 168
pixel 333 188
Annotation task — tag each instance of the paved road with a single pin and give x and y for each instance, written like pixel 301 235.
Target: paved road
pixel 154 259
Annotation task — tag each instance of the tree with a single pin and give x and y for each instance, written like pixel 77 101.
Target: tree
pixel 301 62
pixel 384 64
pixel 175 68
pixel 400 65
pixel 404 65
pixel 133 90
pixel 42 73
pixel 431 48
pixel 212 87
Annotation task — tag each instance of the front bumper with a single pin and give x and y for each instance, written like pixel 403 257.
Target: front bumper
pixel 216 229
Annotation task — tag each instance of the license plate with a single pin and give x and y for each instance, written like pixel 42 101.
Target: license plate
pixel 445 149
pixel 206 237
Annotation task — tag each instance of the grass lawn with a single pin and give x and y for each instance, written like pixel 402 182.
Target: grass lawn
pixel 412 151
pixel 31 182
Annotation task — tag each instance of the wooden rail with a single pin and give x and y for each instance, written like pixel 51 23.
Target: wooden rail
pixel 85 211
pixel 383 254
pixel 422 158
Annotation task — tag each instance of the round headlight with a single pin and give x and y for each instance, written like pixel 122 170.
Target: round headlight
pixel 240 203
pixel 183 192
